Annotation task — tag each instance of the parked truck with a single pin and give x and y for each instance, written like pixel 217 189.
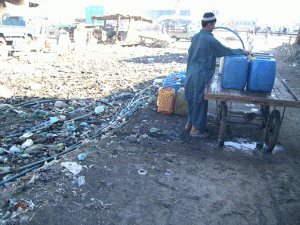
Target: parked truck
pixel 13 28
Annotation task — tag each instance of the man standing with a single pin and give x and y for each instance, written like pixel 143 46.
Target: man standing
pixel 204 50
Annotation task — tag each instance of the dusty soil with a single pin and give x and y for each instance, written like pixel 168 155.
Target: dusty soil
pixel 137 175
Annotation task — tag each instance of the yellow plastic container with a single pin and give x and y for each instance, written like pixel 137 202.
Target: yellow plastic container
pixel 181 105
pixel 166 101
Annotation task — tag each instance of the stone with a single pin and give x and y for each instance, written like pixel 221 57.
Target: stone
pixel 60 104
pixel 4 169
pixel 34 149
pixel 2 151
pixel 99 109
pixel 74 103
pixel 5 92
pixel 15 149
pixel 27 144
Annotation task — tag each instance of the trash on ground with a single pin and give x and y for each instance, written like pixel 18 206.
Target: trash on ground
pixel 73 167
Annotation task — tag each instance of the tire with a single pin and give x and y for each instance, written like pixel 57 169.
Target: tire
pixel 223 124
pixel 272 130
pixel 2 42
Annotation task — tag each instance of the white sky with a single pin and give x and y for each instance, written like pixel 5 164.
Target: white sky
pixel 270 12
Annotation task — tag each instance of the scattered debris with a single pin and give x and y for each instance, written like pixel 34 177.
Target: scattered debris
pixel 73 167
pixel 60 100
pixel 81 181
pixel 154 130
pixel 291 53
pixel 82 156
pixel 142 172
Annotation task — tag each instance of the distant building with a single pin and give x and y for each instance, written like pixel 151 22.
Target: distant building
pixel 242 25
pixel 93 11
pixel 295 27
pixel 79 20
pixel 155 14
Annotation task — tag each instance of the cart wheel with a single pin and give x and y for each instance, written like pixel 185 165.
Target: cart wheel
pixel 223 123
pixel 272 130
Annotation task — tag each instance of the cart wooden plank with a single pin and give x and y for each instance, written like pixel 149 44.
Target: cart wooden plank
pixel 280 95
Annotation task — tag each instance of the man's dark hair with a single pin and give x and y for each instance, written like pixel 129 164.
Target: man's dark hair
pixel 205 23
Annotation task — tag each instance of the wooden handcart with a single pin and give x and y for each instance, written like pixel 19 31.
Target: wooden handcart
pixel 281 96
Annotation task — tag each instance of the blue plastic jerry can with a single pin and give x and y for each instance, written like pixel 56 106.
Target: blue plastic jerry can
pixel 234 72
pixel 262 73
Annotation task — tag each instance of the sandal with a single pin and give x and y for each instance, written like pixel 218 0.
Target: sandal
pixel 203 134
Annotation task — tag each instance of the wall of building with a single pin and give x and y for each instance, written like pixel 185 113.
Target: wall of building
pixel 155 14
pixel 93 10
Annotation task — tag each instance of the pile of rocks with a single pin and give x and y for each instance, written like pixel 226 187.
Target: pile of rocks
pixel 290 52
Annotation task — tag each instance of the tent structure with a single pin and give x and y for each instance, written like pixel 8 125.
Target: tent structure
pixel 118 18
pixel 122 17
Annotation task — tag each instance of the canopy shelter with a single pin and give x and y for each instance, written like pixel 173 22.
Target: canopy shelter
pixel 118 18
pixel 121 17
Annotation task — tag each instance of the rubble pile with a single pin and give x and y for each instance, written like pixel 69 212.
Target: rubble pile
pixel 290 52
pixel 157 43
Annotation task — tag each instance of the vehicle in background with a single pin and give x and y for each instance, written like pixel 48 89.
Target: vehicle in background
pixel 52 32
pixel 184 33
pixel 14 28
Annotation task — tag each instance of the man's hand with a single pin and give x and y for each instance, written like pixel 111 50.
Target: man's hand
pixel 246 52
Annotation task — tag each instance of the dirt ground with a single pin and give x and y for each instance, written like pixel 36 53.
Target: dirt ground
pixel 140 175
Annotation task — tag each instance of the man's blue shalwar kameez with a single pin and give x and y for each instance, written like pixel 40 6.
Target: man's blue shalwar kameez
pixel 202 54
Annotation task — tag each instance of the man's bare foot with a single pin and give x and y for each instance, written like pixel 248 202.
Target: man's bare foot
pixel 197 133
pixel 194 131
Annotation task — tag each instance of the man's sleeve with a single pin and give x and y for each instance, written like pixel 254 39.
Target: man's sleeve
pixel 220 50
